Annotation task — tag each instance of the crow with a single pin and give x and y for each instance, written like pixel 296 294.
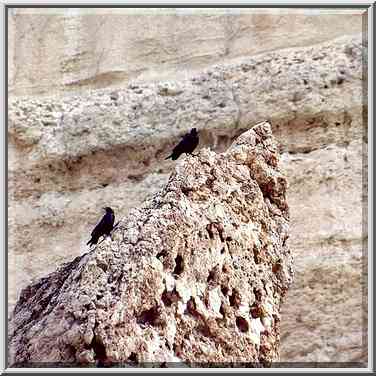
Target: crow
pixel 104 227
pixel 188 143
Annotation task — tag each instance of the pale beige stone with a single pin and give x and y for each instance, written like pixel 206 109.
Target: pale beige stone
pixel 314 97
pixel 72 50
pixel 96 310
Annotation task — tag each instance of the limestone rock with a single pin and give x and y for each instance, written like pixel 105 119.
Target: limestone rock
pixel 301 80
pixel 195 275
pixel 314 96
pixel 122 149
pixel 60 135
pixel 73 50
pixel 326 197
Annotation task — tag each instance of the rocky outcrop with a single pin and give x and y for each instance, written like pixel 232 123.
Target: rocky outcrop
pixel 195 275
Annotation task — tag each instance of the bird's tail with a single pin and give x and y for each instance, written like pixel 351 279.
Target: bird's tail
pixel 89 242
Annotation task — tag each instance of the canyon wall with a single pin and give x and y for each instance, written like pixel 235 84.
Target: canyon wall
pixel 71 50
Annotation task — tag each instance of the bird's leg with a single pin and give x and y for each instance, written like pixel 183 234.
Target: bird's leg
pixel 114 228
pixel 104 238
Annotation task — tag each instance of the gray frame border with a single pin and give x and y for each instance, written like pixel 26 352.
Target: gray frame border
pixel 4 180
pixel 368 181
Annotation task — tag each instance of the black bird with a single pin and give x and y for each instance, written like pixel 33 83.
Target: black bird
pixel 188 143
pixel 104 227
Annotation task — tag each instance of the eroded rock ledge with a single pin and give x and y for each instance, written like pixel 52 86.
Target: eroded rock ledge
pixel 195 275
pixel 56 141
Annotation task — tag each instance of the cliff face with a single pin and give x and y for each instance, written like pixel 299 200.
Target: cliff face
pixel 73 50
pixel 71 155
pixel 195 275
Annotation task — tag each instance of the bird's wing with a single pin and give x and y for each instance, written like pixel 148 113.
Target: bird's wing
pixel 98 227
pixel 110 219
pixel 179 146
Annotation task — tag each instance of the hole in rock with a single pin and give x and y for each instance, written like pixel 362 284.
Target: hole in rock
pixel 242 324
pixel 224 290
pixel 256 256
pixel 222 310
pixel 179 265
pixel 276 267
pixel 186 190
pixel 161 254
pixel 221 234
pixel 210 231
pixel 169 297
pixel 103 266
pixel 99 351
pixel 234 299
pixel 191 308
pixel 258 294
pixel 133 358
pixel 212 275
pixel 149 317
pixel 204 330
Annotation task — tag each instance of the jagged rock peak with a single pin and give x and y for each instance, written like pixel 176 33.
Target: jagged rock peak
pixel 196 275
